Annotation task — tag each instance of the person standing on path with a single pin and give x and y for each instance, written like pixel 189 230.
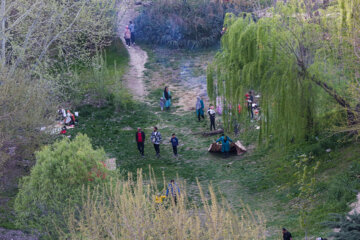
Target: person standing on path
pixel 174 142
pixel 167 97
pixel 225 144
pixel 200 108
pixel 127 36
pixel 140 140
pixel 212 115
pixel 286 234
pixel 156 140
pixel 132 30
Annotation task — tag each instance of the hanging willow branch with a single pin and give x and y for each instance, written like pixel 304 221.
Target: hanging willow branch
pixel 285 58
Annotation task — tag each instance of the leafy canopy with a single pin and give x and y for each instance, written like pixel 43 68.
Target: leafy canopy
pixel 56 182
pixel 295 59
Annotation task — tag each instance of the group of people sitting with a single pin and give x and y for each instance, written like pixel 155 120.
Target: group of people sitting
pixel 67 118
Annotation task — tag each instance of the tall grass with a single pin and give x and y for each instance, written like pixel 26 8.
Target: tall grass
pixel 127 210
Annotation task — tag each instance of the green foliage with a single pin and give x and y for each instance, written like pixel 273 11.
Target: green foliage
pixel 306 179
pixel 349 226
pixel 100 83
pixel 285 59
pixel 56 183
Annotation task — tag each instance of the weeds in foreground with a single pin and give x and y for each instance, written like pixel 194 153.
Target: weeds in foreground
pixel 128 210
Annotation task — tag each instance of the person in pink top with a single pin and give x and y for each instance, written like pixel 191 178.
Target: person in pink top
pixel 127 36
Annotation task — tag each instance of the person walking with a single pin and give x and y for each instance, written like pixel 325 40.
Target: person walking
pixel 174 190
pixel 212 115
pixel 174 142
pixel 167 97
pixel 156 140
pixel 140 140
pixel 200 108
pixel 127 36
pixel 286 234
pixel 225 144
pixel 132 30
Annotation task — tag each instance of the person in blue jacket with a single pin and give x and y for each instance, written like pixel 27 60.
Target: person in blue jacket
pixel 174 142
pixel 167 97
pixel 173 189
pixel 200 108
pixel 225 144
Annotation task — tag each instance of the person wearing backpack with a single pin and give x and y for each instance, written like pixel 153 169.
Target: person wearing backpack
pixel 156 140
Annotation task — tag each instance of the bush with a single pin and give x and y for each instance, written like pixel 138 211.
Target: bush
pixel 129 211
pixel 56 183
pixel 181 24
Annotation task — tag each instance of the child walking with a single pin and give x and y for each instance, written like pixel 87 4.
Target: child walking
pixel 175 142
pixel 162 103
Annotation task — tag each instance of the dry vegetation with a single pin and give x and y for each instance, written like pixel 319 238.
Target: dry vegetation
pixel 128 211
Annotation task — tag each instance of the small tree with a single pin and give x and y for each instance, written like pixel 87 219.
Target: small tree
pixel 56 183
pixel 306 179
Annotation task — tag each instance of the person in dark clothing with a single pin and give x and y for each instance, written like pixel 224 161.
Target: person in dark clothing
pixel 174 190
pixel 212 115
pixel 140 140
pixel 132 30
pixel 286 234
pixel 250 100
pixel 156 140
pixel 175 142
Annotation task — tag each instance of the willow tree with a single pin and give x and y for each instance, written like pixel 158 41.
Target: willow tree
pixel 295 59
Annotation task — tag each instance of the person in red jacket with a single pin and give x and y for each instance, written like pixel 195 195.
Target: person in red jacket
pixel 63 130
pixel 140 140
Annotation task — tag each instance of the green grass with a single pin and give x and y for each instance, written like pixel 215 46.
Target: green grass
pixel 263 178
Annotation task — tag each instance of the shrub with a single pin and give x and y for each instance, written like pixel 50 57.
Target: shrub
pixel 129 211
pixel 56 181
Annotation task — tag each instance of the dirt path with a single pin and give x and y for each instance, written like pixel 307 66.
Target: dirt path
pixel 134 77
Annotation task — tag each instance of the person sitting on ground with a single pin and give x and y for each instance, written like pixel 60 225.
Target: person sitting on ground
pixel 127 36
pixel 63 130
pixel 140 140
pixel 173 189
pixel 212 115
pixel 162 103
pixel 70 119
pixel 62 114
pixel 225 144
pixel 167 97
pixel 200 108
pixel 174 142
pixel 286 234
